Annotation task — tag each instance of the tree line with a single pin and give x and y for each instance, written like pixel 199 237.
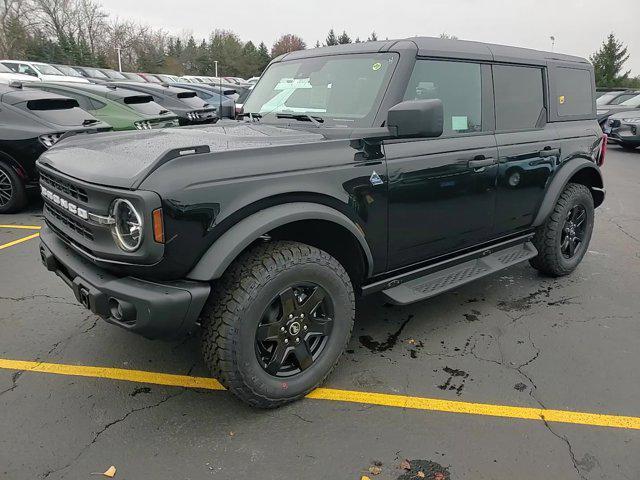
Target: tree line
pixel 80 32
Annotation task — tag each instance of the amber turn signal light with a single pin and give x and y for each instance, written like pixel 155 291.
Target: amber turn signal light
pixel 158 226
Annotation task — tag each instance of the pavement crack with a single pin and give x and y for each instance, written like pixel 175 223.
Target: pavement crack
pixel 569 447
pixel 53 299
pixel 14 382
pixel 107 427
pixel 621 228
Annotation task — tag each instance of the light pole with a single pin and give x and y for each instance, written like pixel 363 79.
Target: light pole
pixel 118 49
pixel 216 64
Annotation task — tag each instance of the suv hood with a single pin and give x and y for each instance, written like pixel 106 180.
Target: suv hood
pixel 124 159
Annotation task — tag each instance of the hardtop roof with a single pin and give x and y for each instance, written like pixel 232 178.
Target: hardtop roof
pixel 442 47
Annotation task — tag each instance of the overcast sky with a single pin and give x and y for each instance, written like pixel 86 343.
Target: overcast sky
pixel 579 26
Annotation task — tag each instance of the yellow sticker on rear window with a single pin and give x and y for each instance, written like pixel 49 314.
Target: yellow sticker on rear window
pixel 561 99
pixel 376 66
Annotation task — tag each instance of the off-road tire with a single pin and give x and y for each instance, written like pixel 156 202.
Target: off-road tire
pixel 235 307
pixel 547 239
pixel 18 200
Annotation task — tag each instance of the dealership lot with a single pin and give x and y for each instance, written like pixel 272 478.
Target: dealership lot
pixel 513 340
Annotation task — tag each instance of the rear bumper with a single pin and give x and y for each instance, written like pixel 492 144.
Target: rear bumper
pixel 153 310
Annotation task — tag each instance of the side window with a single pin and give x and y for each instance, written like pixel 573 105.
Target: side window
pixel 575 96
pixel 519 97
pixel 96 104
pixel 22 68
pixel 457 84
pixel 12 66
pixel 83 101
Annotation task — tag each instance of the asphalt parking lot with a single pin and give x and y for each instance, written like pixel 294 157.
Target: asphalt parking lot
pixel 480 383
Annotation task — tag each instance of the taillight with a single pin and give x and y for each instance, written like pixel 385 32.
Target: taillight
pixel 603 150
pixel 158 225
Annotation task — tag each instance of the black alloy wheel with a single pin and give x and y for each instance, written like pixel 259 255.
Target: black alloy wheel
pixel 573 231
pixel 294 330
pixel 6 188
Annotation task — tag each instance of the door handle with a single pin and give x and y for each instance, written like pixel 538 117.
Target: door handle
pixel 481 162
pixel 549 152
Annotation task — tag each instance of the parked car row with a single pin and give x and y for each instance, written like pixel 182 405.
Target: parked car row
pixel 619 116
pixel 34 115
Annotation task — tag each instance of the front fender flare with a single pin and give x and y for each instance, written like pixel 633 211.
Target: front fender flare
pixel 560 181
pixel 225 249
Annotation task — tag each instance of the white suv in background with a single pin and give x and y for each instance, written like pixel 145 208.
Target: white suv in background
pixel 42 71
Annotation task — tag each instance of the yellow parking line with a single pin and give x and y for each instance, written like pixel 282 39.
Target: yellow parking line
pixel 24 227
pixel 368 398
pixel 20 240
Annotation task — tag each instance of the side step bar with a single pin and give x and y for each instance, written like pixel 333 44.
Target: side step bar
pixel 435 283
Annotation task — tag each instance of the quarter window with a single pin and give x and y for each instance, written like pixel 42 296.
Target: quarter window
pixel 457 84
pixel 519 97
pixel 575 96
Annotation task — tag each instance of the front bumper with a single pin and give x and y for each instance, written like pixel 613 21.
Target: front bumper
pixel 153 310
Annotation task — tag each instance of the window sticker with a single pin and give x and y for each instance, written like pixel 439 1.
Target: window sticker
pixel 376 66
pixel 561 99
pixel 459 123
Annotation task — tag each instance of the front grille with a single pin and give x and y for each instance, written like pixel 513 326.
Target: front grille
pixel 65 187
pixel 68 221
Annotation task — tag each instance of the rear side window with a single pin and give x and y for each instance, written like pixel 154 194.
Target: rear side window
pixel 573 87
pixel 519 97
pixel 457 84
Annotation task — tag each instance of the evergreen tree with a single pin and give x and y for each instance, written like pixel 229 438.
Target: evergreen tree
pixel 344 38
pixel 373 37
pixel 608 63
pixel 331 39
pixel 263 55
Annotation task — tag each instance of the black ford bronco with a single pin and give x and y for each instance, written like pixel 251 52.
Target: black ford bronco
pixel 404 167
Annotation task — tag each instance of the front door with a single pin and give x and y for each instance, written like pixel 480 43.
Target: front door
pixel 442 191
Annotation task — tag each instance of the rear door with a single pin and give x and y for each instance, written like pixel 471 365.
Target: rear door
pixel 441 190
pixel 528 146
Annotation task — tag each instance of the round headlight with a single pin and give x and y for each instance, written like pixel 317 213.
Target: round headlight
pixel 128 227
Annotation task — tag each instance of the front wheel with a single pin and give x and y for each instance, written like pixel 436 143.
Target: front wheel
pixel 277 322
pixel 563 239
pixel 13 196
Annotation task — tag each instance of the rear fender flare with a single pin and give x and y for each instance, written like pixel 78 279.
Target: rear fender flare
pixel 560 181
pixel 226 249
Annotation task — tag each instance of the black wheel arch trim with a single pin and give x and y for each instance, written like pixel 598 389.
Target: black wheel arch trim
pixel 560 181
pixel 236 239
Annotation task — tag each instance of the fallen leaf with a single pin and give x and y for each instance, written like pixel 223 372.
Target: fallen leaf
pixel 375 470
pixel 364 477
pixel 231 434
pixel 438 476
pixel 420 474
pixel 405 465
pixel 111 472
pixel 412 341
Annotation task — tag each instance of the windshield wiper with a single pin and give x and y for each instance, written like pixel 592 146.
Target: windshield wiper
pixel 303 117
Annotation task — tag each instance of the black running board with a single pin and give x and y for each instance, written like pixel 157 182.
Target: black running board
pixel 433 284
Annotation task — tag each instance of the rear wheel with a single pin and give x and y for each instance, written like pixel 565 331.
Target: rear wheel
pixel 277 322
pixel 13 196
pixel 563 239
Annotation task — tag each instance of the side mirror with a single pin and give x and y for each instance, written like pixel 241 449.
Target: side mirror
pixel 416 118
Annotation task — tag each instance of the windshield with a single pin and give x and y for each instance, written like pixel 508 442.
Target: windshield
pixel 94 72
pixel 45 69
pixel 605 98
pixel 68 71
pixel 145 105
pixel 114 75
pixel 344 90
pixel 632 102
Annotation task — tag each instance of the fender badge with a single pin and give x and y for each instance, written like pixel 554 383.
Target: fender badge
pixel 375 179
